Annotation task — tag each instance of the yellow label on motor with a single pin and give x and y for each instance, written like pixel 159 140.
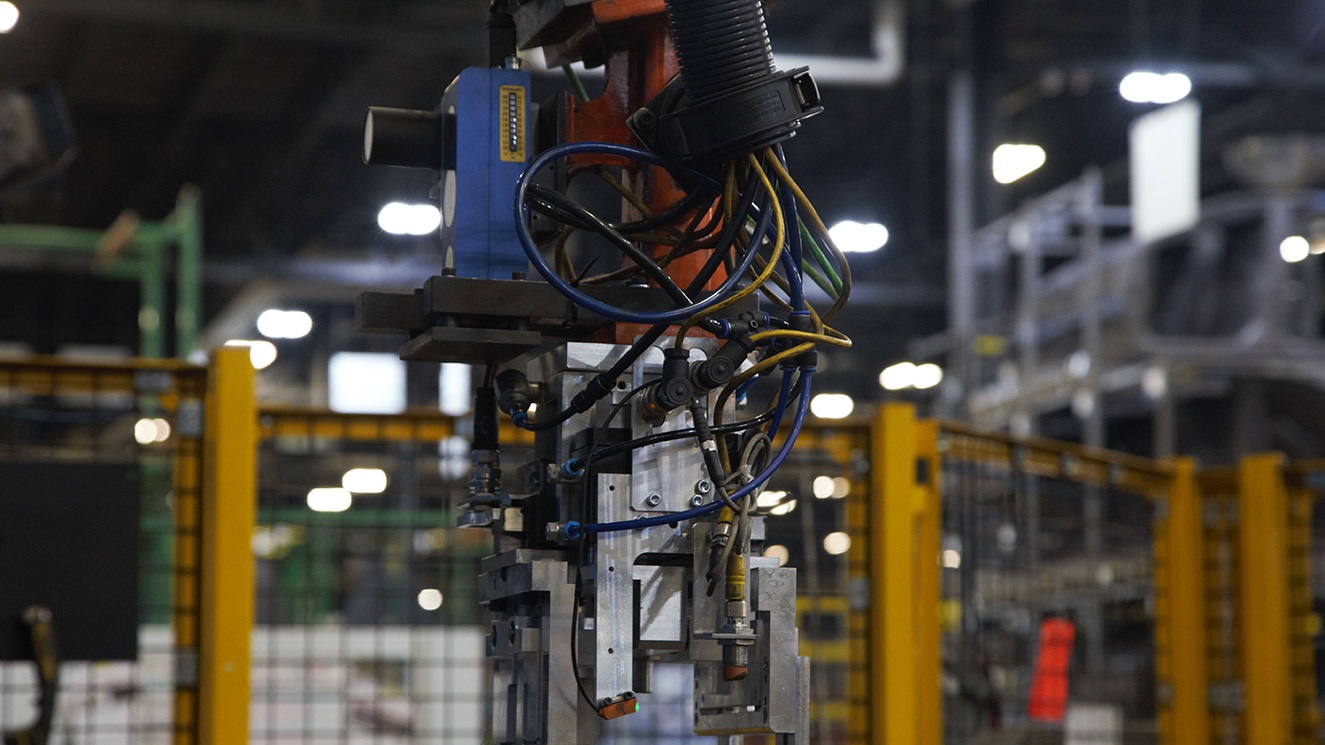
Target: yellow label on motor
pixel 512 113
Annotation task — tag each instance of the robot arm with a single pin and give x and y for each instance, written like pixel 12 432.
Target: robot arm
pixel 634 538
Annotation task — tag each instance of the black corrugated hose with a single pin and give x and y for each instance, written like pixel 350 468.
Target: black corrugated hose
pixel 722 45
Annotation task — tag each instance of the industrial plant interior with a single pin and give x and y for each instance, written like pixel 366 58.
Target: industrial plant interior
pixel 505 372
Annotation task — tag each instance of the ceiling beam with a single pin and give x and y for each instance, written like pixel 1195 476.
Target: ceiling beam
pixel 451 26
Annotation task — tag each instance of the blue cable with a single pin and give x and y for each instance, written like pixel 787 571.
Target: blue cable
pixel 745 387
pixel 784 397
pixel 802 409
pixel 597 306
pixel 794 256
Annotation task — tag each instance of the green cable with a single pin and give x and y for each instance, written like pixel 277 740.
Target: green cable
pixel 808 239
pixel 819 279
pixel 581 94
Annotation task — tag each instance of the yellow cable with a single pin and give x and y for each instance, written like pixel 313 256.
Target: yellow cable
pixel 805 335
pixel 780 221
pixel 804 201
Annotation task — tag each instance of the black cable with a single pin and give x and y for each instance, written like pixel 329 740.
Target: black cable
pixel 603 383
pixel 619 241
pixel 682 434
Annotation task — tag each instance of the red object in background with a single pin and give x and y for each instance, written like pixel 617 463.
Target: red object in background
pixel 1048 701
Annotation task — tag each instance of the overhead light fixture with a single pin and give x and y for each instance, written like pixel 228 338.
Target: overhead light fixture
pixel 150 431
pixel 841 487
pixel 260 353
pixel 770 498
pixel 364 481
pixel 454 392
pixel 837 543
pixel 898 377
pixel 284 324
pixel 398 218
pixel 366 383
pixel 329 499
pixel 1152 87
pixel 858 237
pixel 8 17
pixel 1013 162
pixel 832 405
pixel 430 599
pixel 779 552
pixel 1295 248
pixel 822 487
pixel 927 376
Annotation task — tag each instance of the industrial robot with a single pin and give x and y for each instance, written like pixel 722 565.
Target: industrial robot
pixel 636 350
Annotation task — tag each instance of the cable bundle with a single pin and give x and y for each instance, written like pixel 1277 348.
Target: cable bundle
pixel 758 225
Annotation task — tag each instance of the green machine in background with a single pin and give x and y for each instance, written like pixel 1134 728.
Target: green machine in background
pixel 140 250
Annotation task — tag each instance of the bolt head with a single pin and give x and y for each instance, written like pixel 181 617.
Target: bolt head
pixel 696 501
pixel 653 500
pixel 703 486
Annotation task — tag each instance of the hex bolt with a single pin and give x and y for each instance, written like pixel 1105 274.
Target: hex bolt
pixel 696 501
pixel 654 500
pixel 703 486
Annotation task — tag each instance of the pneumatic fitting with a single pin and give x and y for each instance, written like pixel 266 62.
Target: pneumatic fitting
pixel 673 390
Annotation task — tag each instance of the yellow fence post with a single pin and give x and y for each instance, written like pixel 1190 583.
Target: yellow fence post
pixel 894 647
pixel 1180 614
pixel 228 516
pixel 929 597
pixel 1266 627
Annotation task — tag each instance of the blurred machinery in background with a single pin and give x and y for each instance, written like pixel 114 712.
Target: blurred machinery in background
pixel 36 136
pixel 633 539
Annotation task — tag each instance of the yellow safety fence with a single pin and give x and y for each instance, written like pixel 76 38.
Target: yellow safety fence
pixel 925 563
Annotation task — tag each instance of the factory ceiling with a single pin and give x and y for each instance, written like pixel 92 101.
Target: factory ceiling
pixel 260 103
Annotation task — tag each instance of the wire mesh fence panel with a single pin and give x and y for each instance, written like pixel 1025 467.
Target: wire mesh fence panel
pixel 1307 598
pixel 99 523
pixel 1219 495
pixel 368 623
pixel 1047 588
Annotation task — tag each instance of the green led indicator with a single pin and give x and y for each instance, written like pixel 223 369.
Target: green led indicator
pixel 636 706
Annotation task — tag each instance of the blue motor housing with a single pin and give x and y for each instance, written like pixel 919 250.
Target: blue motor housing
pixel 492 121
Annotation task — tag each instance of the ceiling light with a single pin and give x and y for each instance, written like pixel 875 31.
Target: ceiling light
pixel 1295 248
pixel 837 543
pixel 832 405
pixel 364 481
pixel 841 487
pixel 822 487
pixel 329 499
pixel 430 599
pixel 454 389
pixel 898 377
pixel 927 376
pixel 366 383
pixel 398 218
pixel 783 509
pixel 260 353
pixel 144 431
pixel 1014 162
pixel 858 237
pixel 770 498
pixel 1152 87
pixel 952 559
pixel 781 553
pixel 8 17
pixel 284 324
